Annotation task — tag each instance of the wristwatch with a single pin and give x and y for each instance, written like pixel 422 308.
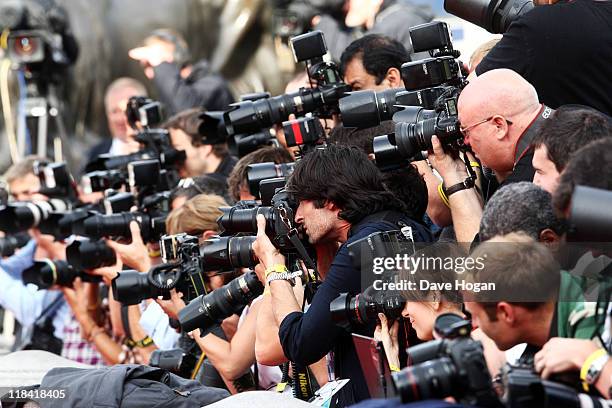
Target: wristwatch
pixel 463 185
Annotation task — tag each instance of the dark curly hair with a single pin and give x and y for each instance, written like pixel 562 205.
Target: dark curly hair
pixel 344 176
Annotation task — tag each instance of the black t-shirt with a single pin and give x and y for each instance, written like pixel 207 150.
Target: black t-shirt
pixel 563 50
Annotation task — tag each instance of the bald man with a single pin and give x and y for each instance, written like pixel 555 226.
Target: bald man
pixel 499 114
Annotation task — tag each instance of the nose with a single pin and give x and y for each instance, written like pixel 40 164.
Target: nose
pixel 299 218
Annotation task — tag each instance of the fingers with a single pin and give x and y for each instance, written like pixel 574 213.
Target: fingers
pixel 261 225
pixel 135 231
pixel 383 321
pixel 437 146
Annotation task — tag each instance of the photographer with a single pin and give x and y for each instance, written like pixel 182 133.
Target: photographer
pixel 203 156
pixel 558 48
pixel 499 114
pixel 341 199
pixel 373 62
pixel 28 305
pixel 526 275
pixel 568 129
pixel 115 102
pixel 181 84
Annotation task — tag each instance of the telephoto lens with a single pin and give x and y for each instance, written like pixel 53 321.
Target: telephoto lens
pixel 258 172
pixel 354 311
pixel 363 109
pixel 235 220
pixel 10 243
pixel 47 273
pixel 118 225
pixel 210 309
pixel 132 287
pixel 223 253
pixel 88 254
pixel 23 215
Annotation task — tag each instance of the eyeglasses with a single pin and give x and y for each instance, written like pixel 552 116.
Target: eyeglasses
pixel 464 130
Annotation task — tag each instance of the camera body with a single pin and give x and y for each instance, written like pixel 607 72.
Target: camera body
pixel 251 116
pixel 438 76
pixel 452 366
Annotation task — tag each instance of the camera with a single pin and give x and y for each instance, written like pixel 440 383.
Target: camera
pixel 23 215
pixel 495 16
pixel 223 253
pixel 118 225
pixel 47 273
pixel 258 172
pixel 415 126
pixel 143 112
pixel 10 243
pixel 250 117
pixel 174 360
pixel 362 309
pixel 182 269
pixel 208 310
pixel 38 36
pixel 88 254
pixel 305 133
pixel 452 366
pixel 522 387
pixel 364 109
pixel 589 219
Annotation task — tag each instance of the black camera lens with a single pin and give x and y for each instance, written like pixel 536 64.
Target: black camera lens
pixel 23 215
pixel 118 225
pixel 87 254
pixel 10 243
pixel 236 220
pixel 207 310
pixel 363 109
pixel 241 145
pixel 431 379
pixel 132 287
pixel 493 16
pixel 361 309
pixel 47 273
pixel 224 253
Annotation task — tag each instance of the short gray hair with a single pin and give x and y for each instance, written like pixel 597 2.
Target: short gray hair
pixel 519 207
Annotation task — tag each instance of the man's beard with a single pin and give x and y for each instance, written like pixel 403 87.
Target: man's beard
pixel 318 233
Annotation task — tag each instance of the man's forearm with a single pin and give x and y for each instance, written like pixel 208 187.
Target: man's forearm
pixel 268 350
pixel 283 300
pixel 466 210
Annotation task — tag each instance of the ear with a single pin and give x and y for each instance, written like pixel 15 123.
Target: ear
pixel 549 237
pixel 330 205
pixel 394 78
pixel 505 313
pixel 501 126
pixel 209 234
pixel 205 149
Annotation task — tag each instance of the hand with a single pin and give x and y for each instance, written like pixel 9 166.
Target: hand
pixel 135 255
pixel 151 56
pixel 78 301
pixel 559 355
pixel 388 338
pixel 108 273
pixel 263 248
pixel 173 306
pixel 451 170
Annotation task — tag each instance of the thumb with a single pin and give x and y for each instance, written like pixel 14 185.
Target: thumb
pixel 383 321
pixel 261 225
pixel 437 146
pixel 135 231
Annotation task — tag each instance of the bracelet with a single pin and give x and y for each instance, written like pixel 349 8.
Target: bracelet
pixel 474 164
pixel 592 367
pixel 278 268
pixel 147 341
pixel 394 368
pixel 286 276
pixel 442 195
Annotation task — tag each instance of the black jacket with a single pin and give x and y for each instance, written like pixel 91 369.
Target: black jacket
pixel 201 88
pixel 308 337
pixel 563 50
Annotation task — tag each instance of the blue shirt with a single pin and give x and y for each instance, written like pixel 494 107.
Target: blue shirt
pixel 25 301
